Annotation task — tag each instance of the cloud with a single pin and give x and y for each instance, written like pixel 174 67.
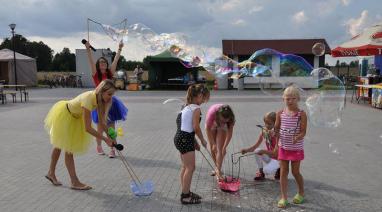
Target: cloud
pixel 255 9
pixel 345 2
pixel 239 22
pixel 132 51
pixel 299 17
pixel 356 25
pixel 230 5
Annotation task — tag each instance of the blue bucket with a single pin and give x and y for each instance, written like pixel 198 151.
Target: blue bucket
pixel 146 188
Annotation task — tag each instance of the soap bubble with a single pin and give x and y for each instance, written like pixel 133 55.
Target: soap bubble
pixel 318 49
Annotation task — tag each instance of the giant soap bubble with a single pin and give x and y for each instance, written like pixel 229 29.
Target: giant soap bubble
pixel 326 103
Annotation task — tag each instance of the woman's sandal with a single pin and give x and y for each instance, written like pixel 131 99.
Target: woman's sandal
pixel 282 203
pixel 55 183
pixel 298 199
pixel 81 188
pixel 192 199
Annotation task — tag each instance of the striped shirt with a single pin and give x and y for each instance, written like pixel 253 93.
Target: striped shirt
pixel 290 127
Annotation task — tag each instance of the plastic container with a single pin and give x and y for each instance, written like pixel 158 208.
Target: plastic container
pixel 229 184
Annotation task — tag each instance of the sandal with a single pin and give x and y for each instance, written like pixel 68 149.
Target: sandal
pixel 192 199
pixel 82 188
pixel 195 195
pixel 260 176
pixel 298 199
pixel 55 183
pixel 282 203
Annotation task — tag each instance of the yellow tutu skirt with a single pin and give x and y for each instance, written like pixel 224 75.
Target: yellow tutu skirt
pixel 67 132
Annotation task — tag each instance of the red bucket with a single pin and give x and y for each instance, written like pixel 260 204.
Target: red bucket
pixel 229 184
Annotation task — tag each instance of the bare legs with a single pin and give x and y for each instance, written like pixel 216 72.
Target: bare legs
pixel 52 168
pixel 69 162
pixel 216 139
pixel 221 151
pixel 99 141
pixel 284 171
pixel 188 168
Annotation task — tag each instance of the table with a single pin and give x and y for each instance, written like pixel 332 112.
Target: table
pixel 363 92
pixel 22 89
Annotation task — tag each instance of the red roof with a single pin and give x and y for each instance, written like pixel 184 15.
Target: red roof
pixel 289 46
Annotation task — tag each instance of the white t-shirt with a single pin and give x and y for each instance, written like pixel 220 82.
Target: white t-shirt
pixel 187 114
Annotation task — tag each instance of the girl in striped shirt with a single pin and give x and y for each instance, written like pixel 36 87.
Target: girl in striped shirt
pixel 290 126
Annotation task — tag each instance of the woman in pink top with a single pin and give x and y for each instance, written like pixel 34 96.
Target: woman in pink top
pixel 220 120
pixel 291 123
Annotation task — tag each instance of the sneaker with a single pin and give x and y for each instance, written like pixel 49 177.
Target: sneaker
pixel 259 176
pixel 100 150
pixel 112 154
pixel 277 174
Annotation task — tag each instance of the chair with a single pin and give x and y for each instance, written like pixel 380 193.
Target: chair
pixel 12 93
pixel 3 97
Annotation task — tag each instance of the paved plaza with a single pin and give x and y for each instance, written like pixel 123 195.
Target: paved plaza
pixel 349 180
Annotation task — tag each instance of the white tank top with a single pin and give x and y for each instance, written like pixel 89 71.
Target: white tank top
pixel 187 114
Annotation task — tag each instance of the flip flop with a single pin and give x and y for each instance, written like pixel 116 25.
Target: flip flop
pixel 298 199
pixel 57 183
pixel 282 203
pixel 82 188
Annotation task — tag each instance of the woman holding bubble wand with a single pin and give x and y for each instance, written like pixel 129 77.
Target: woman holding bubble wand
pixel 101 71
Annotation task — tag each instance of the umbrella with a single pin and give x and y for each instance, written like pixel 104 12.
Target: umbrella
pixel 367 43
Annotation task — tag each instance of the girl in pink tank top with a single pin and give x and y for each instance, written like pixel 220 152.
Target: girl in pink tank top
pixel 290 126
pixel 220 120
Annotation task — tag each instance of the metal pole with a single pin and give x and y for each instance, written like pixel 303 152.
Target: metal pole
pixel 14 56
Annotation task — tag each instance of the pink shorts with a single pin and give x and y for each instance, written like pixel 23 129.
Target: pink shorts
pixel 291 155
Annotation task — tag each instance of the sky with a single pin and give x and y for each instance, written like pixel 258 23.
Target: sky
pixel 62 24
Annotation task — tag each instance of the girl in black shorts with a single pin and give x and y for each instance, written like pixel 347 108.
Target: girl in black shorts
pixel 187 126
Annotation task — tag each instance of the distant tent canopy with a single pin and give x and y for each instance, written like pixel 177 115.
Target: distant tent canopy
pixel 167 71
pixel 26 68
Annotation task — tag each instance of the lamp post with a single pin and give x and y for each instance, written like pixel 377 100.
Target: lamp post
pixel 13 26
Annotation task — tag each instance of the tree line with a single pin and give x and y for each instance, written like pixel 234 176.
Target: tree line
pixel 46 60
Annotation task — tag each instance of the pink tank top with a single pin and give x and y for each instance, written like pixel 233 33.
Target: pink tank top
pixel 290 127
pixel 210 117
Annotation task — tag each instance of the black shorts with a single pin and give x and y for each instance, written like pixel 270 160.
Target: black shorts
pixel 184 141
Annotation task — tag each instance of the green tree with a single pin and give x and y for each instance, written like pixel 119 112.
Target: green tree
pixel 64 61
pixel 121 62
pixel 38 50
pixel 354 63
pixel 343 64
pixel 338 63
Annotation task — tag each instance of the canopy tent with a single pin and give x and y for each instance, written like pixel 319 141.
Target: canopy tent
pixel 167 71
pixel 367 43
pixel 26 68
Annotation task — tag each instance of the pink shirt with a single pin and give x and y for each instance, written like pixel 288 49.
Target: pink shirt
pixel 210 117
pixel 271 143
pixel 290 127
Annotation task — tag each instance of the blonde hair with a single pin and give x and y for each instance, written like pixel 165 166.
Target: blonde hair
pixel 194 91
pixel 102 107
pixel 292 91
pixel 270 116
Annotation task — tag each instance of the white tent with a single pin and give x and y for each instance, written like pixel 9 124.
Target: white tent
pixel 26 68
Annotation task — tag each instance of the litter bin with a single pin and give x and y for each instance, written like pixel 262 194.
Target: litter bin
pixel 222 82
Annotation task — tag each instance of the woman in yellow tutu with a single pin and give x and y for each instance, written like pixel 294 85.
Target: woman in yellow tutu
pixel 69 125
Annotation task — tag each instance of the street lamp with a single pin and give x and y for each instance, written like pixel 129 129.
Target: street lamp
pixel 13 26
